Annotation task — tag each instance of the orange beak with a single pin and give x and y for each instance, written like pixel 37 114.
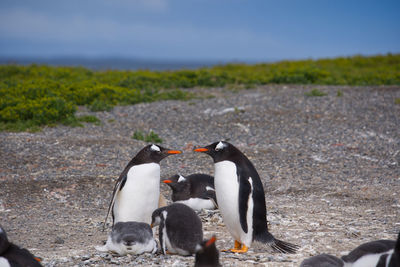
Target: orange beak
pixel 211 241
pixel 201 149
pixel 167 181
pixel 174 152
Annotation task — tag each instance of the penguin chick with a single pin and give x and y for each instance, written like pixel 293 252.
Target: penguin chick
pixel 377 253
pixel 130 238
pixel 196 190
pixel 137 190
pixel 241 198
pixel 12 255
pixel 323 260
pixel 180 229
pixel 207 254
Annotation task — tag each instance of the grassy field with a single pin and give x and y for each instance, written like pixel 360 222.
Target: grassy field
pixel 34 96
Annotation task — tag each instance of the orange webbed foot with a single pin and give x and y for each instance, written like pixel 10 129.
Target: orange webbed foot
pixel 243 249
pixel 239 248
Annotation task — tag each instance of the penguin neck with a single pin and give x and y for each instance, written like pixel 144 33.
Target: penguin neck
pixel 225 168
pixel 143 176
pixel 142 171
pixel 181 192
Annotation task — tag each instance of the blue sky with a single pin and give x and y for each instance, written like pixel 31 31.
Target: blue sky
pixel 242 30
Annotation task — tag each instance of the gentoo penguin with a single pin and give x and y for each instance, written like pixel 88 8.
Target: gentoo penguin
pixel 374 253
pixel 323 260
pixel 180 229
pixel 196 190
pixel 137 190
pixel 12 255
pixel 241 199
pixel 207 254
pixel 130 238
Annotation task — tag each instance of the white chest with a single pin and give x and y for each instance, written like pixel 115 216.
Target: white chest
pixel 139 197
pixel 227 192
pixel 198 203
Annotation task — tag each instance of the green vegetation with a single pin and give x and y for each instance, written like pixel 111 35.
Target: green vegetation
pixel 76 121
pixel 32 96
pixel 315 92
pixel 339 93
pixel 151 137
pixel 397 101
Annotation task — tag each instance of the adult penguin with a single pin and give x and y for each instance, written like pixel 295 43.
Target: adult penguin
pixel 241 198
pixel 137 190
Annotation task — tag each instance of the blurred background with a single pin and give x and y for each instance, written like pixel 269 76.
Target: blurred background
pixel 172 34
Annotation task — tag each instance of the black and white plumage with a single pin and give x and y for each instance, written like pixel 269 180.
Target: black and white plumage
pixel 137 190
pixel 180 229
pixel 322 260
pixel 130 238
pixel 195 190
pixel 393 260
pixel 379 253
pixel 241 198
pixel 12 255
pixel 207 254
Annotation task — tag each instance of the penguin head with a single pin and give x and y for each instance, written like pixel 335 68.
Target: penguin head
pixel 207 253
pixel 219 151
pixel 158 215
pixel 177 182
pixel 4 244
pixel 154 153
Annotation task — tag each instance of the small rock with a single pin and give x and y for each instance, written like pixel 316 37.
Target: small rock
pixel 59 240
pixel 85 257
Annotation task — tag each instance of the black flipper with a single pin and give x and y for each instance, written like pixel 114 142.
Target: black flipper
pixel 118 186
pixel 161 236
pixel 244 193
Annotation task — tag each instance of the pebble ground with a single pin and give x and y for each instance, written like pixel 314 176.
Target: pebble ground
pixel 330 168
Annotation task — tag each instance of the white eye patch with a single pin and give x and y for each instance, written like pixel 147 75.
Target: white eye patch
pixel 181 179
pixel 155 148
pixel 220 146
pixel 209 188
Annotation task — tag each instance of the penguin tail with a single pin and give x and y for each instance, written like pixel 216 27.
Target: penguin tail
pixel 276 244
pixel 284 247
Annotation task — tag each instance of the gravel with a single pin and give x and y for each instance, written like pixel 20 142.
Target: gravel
pixel 330 168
